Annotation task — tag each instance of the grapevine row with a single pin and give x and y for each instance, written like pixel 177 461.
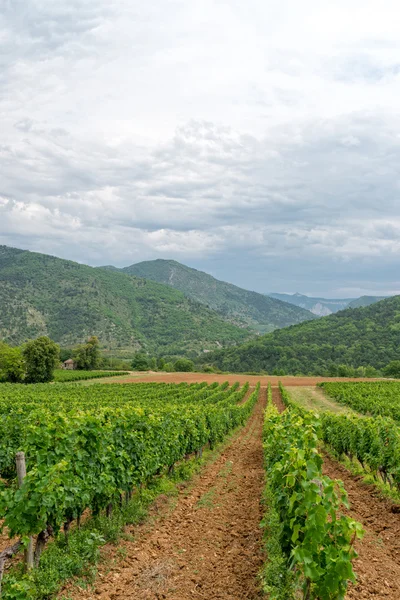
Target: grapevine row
pixel 62 375
pixel 88 459
pixel 309 541
pixel 378 398
pixel 373 441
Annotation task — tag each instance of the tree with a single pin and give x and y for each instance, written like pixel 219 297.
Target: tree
pixel 87 356
pixel 140 362
pixel 392 369
pixel 65 354
pixel 184 365
pixel 12 364
pixel 168 367
pixel 160 363
pixel 41 357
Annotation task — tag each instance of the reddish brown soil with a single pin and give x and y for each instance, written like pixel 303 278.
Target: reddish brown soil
pixel 210 545
pixel 211 377
pixel 378 563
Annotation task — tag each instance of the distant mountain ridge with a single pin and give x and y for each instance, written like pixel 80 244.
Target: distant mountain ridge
pixel 45 295
pixel 356 337
pixel 233 303
pixel 323 307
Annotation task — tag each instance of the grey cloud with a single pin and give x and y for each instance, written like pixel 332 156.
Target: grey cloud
pixel 119 144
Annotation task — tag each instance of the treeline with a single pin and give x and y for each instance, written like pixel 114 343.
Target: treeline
pixel 36 360
pixel 353 342
pixel 144 362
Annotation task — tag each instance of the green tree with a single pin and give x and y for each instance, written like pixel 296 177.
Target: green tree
pixel 140 362
pixel 41 357
pixel 184 365
pixel 12 364
pixel 168 367
pixel 392 369
pixel 65 354
pixel 160 363
pixel 87 356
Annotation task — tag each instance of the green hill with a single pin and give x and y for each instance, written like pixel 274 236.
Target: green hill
pixel 235 304
pixel 365 301
pixel 44 295
pixel 356 337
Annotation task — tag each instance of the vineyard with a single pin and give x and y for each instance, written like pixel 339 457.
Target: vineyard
pixel 88 448
pixel 89 451
pixel 62 376
pixel 373 441
pixel 379 398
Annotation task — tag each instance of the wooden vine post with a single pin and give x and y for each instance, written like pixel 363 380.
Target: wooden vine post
pixel 21 473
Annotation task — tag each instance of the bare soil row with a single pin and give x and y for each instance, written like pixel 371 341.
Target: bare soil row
pixel 231 378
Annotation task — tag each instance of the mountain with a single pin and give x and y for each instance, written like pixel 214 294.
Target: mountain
pixel 318 306
pixel 233 303
pixel 323 306
pixel 365 301
pixel 44 295
pixel 356 337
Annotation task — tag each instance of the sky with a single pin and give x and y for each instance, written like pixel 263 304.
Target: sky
pixel 258 141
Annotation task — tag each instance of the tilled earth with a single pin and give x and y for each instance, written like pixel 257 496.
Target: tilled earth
pixel 152 376
pixel 210 545
pixel 378 563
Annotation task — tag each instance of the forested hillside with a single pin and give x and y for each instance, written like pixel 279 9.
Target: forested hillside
pixel 260 312
pixel 365 301
pixel 44 295
pixel 357 337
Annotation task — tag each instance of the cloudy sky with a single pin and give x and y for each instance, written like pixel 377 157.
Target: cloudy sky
pixel 257 140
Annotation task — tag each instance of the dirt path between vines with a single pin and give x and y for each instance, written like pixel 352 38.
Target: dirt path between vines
pixel 210 545
pixel 378 563
pixel 193 377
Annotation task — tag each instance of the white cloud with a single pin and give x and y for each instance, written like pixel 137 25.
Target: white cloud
pixel 213 131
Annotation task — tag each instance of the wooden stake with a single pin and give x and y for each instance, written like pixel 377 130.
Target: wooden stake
pixel 7 553
pixel 21 474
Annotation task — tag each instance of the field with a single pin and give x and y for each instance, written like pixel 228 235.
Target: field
pixel 64 375
pixel 88 447
pixel 231 378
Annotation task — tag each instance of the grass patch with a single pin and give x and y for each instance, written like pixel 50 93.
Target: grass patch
pixel 207 500
pixel 314 398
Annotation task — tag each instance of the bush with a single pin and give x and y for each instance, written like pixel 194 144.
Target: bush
pixel 392 369
pixel 184 365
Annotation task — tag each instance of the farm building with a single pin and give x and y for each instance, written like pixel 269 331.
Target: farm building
pixel 69 364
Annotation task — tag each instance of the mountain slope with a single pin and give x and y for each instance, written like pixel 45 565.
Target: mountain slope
pixel 323 307
pixel 356 336
pixel 44 295
pixel 365 301
pixel 318 306
pixel 233 303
